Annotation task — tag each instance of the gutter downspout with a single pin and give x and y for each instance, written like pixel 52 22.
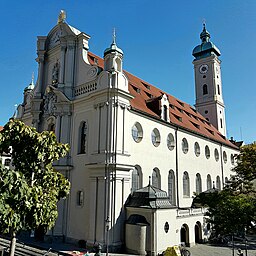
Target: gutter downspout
pixel 222 169
pixel 177 167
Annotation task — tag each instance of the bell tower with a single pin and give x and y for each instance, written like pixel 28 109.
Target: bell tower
pixel 208 85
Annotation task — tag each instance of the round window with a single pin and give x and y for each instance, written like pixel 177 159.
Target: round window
pixel 170 142
pixel 137 132
pixel 197 149
pixel 184 145
pixel 207 152
pixel 155 137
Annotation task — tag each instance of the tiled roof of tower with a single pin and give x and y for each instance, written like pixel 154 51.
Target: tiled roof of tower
pixel 181 113
pixel 1 128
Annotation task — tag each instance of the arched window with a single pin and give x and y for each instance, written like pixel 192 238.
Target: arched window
pixel 118 64
pixel 209 182
pixel 156 179
pixel 136 178
pixel 218 186
pixel 205 89
pixel 198 183
pixel 186 186
pixel 82 138
pixel 171 187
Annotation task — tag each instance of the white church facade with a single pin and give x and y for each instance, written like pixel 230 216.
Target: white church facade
pixel 138 155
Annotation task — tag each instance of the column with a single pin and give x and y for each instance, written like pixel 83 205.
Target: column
pixel 62 64
pixel 39 87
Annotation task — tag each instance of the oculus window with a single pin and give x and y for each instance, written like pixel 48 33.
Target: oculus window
pixel 184 145
pixel 137 132
pixel 170 142
pixel 216 154
pixel 207 152
pixel 155 137
pixel 197 149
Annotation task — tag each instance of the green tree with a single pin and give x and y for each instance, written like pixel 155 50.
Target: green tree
pixel 233 209
pixel 29 193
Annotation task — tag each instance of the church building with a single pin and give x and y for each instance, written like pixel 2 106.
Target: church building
pixel 138 154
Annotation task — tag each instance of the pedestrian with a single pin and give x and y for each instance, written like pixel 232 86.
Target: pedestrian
pixel 240 253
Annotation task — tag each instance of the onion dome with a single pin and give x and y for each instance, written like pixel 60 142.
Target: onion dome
pixel 206 48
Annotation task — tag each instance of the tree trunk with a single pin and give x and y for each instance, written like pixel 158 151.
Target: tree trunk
pixel 13 244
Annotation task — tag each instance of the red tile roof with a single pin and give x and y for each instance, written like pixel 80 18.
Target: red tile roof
pixel 146 100
pixel 1 128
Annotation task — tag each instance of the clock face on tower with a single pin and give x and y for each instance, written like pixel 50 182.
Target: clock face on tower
pixel 203 69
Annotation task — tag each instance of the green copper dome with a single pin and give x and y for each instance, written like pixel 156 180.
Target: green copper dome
pixel 206 48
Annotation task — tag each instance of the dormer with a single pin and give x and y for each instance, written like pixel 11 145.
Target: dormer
pixel 165 108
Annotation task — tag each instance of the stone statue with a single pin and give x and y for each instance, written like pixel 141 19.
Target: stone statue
pixel 55 74
pixel 62 16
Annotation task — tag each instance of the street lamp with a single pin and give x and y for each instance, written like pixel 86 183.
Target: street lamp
pixel 107 234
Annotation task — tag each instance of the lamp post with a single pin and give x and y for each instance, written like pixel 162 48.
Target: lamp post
pixel 107 233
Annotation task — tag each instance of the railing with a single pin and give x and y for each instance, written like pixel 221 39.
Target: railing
pixel 85 88
pixel 190 212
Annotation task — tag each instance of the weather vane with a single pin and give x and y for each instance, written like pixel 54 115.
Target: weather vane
pixel 114 35
pixel 204 22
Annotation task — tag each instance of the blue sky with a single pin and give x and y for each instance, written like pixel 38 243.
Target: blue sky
pixel 157 38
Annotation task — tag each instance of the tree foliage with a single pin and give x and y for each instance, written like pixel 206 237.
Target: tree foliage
pixel 233 209
pixel 29 193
